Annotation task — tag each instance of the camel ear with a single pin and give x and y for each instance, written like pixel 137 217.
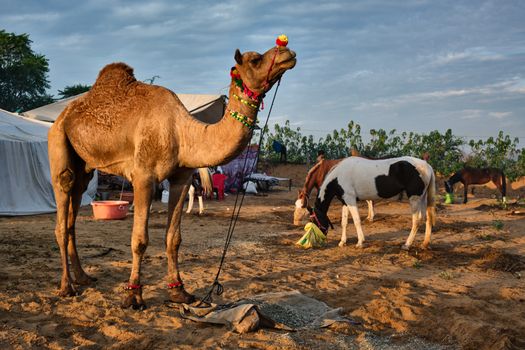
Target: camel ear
pixel 238 56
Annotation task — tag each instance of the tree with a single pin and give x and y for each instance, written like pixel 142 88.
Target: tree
pixel 23 74
pixel 73 90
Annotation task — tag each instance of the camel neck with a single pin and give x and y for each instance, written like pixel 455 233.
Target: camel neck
pixel 213 144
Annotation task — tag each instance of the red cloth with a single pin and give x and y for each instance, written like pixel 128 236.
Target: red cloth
pixel 218 184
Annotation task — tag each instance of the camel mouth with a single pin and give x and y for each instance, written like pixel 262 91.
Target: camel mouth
pixel 283 66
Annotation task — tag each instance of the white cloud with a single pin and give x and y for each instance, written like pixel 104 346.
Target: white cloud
pixel 480 54
pixel 500 115
pixel 33 17
pixel 471 114
pixel 145 10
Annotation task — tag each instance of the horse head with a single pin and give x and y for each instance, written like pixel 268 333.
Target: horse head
pixel 320 219
pixel 448 187
pixel 301 205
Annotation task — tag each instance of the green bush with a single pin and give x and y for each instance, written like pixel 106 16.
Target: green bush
pixel 447 152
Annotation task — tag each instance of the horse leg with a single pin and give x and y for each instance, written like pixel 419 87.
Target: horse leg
pixel 201 206
pixel 371 213
pixel 498 181
pixel 352 206
pixel 178 191
pixel 344 223
pixel 465 192
pixel 62 178
pixel 191 193
pixel 415 207
pixel 428 226
pixel 143 188
pixel 81 183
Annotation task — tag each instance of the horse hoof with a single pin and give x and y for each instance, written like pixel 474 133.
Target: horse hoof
pixel 426 247
pixel 359 246
pixel 405 247
pixel 342 244
pixel 180 296
pixel 134 300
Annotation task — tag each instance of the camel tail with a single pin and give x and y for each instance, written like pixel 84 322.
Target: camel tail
pixel 431 199
pixel 206 180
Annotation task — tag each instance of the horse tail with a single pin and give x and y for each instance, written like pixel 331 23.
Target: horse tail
pixel 206 180
pixel 431 197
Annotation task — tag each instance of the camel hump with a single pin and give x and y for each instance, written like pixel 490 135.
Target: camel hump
pixel 117 73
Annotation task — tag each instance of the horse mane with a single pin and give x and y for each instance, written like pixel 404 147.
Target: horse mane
pixel 311 172
pixel 456 177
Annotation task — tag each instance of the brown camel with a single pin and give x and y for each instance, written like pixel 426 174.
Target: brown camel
pixel 143 133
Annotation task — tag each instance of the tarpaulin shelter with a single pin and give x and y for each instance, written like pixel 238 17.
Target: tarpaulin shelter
pixel 206 108
pixel 240 167
pixel 25 180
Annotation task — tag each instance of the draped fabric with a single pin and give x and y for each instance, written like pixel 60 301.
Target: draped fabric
pixel 25 180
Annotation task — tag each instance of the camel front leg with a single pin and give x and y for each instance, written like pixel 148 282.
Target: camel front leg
pixel 143 194
pixel 178 193
pixel 371 213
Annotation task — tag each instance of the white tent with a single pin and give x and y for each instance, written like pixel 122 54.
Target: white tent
pixel 206 108
pixel 25 181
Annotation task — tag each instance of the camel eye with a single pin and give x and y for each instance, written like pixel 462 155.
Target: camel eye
pixel 256 60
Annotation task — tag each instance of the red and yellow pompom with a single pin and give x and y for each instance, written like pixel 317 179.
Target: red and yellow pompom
pixel 282 40
pixel 234 73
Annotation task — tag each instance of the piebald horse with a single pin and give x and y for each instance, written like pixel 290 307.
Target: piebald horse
pixel 477 176
pixel 314 179
pixel 201 184
pixel 357 178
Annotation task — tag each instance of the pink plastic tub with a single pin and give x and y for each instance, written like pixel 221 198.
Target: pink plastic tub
pixel 110 210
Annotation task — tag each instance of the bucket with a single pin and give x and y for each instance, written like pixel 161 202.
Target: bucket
pixel 110 210
pixel 165 197
pixel 449 198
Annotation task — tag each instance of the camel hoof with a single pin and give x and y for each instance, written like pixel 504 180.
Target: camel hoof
pixel 85 280
pixel 180 296
pixel 68 291
pixel 134 300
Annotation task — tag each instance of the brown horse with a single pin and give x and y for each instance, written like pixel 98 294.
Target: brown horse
pixel 477 176
pixel 314 179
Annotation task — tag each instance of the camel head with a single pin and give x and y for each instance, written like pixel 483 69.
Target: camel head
pixel 259 72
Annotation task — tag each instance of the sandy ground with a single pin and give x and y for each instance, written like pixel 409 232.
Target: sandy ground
pixel 467 292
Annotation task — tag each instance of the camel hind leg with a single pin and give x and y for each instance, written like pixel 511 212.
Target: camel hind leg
pixel 62 179
pixel 80 185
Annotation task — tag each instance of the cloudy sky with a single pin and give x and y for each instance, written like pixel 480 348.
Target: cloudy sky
pixel 409 65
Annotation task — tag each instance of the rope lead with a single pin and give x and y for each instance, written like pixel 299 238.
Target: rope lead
pixel 217 286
